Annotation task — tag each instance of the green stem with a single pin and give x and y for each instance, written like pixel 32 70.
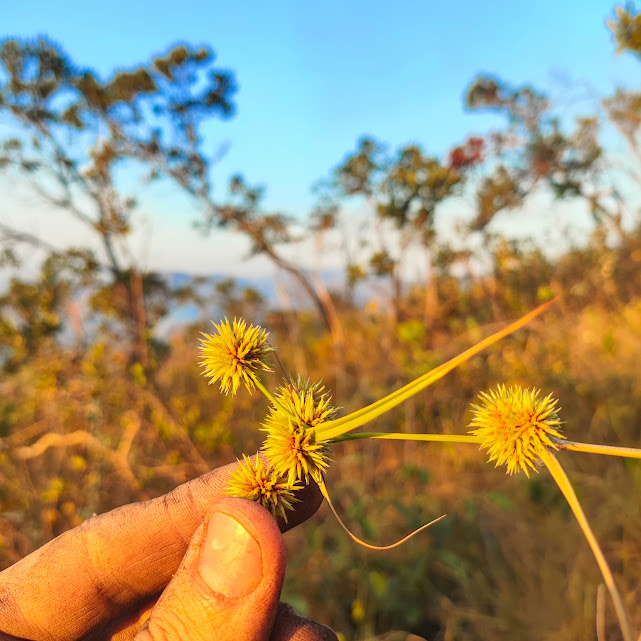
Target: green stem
pixel 558 474
pixel 332 429
pixel 274 402
pixel 440 438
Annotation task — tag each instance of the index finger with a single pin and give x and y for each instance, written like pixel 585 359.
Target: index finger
pixel 93 573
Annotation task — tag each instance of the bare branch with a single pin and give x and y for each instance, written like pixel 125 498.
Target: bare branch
pixel 24 237
pixel 79 437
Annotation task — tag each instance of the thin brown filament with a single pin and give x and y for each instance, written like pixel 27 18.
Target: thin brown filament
pixel 275 353
pixel 323 489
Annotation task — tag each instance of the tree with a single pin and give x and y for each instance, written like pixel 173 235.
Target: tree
pixel 76 130
pixel 76 133
pixel 403 192
pixel 536 151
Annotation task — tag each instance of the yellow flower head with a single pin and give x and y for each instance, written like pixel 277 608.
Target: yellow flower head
pixel 515 425
pixel 263 485
pixel 234 355
pixel 291 446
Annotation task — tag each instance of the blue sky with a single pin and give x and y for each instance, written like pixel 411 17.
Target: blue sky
pixel 314 77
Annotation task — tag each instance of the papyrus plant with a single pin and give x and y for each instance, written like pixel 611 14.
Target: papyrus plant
pixel 518 427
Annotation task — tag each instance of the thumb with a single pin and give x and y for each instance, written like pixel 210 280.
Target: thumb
pixel 229 582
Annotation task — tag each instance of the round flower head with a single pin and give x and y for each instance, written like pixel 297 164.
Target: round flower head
pixel 234 355
pixel 515 425
pixel 291 446
pixel 263 485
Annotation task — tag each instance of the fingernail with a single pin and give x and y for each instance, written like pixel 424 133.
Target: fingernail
pixel 230 559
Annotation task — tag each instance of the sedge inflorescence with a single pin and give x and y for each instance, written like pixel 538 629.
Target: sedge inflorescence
pixel 514 425
pixel 518 427
pixel 292 445
pixel 235 355
pixel 301 425
pixel 257 482
pixel 293 453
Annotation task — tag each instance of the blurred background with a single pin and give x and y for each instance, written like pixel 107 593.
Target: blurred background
pixel 379 188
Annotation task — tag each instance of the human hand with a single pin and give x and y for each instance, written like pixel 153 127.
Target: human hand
pixel 111 577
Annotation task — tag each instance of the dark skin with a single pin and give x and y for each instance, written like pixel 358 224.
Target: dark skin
pixel 190 565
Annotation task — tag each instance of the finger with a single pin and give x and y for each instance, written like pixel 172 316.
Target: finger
pixel 228 585
pixel 88 576
pixel 126 626
pixel 289 626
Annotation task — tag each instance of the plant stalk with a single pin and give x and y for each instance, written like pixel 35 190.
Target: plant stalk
pixel 274 402
pixel 590 448
pixel 558 474
pixel 397 436
pixel 332 429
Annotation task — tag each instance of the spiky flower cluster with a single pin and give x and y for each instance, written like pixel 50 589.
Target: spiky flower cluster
pixel 515 424
pixel 234 355
pixel 254 481
pixel 292 445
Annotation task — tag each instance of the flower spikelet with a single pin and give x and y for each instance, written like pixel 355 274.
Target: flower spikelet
pixel 263 485
pixel 515 425
pixel 291 446
pixel 234 355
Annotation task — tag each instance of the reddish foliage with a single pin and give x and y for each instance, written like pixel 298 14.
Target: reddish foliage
pixel 468 154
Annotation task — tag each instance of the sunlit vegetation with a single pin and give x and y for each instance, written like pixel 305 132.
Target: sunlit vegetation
pixel 98 408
